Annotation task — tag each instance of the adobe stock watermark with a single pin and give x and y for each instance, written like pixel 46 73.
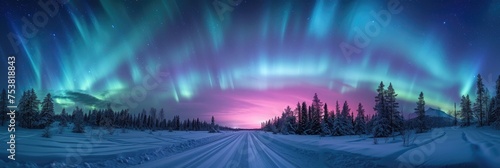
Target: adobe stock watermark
pixel 490 82
pixel 139 93
pixel 223 7
pixel 31 26
pixel 372 29
pixel 75 153
pixel 420 155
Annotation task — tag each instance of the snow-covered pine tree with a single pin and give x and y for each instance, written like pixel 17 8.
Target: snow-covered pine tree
pixel 490 111
pixel 496 111
pixel 351 119
pixel 324 128
pixel 64 118
pixel 309 124
pixel 331 121
pixel 46 132
pixel 109 119
pixel 337 125
pixel 78 121
pixel 360 122
pixel 380 127
pixel 346 121
pixel 395 118
pixel 316 108
pixel 163 121
pixel 470 113
pixel 47 113
pixel 381 124
pixel 152 113
pixel 31 110
pixel 93 119
pixel 299 114
pixel 22 106
pixel 3 106
pixel 325 125
pixel 337 108
pixel 212 126
pixel 289 121
pixel 466 112
pixel 420 110
pixel 455 121
pixel 369 123
pixel 304 121
pixel 325 113
pixel 123 119
pixel 282 124
pixel 486 105
pixel 479 105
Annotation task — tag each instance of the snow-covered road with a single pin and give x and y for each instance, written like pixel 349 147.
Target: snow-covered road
pixel 241 149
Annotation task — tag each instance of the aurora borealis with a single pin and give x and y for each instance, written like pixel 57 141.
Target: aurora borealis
pixel 248 64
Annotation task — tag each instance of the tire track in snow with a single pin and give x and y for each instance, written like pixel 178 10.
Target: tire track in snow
pixel 271 156
pixel 484 150
pixel 392 159
pixel 194 157
pixel 243 149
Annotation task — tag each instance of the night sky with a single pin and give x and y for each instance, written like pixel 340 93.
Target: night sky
pixel 246 65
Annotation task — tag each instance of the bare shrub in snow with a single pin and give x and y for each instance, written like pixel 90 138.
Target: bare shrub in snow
pixel 60 129
pixel 408 136
pixel 46 132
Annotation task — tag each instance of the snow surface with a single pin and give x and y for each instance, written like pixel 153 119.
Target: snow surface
pixel 442 147
pixel 93 146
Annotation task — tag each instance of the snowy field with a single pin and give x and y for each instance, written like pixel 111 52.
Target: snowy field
pixel 442 147
pixel 94 146
pixel 446 147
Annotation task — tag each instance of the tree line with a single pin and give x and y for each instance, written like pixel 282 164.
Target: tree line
pixel 31 116
pixel 485 111
pixel 387 121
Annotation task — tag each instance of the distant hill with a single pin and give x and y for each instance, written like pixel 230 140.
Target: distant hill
pixel 434 118
pixel 432 113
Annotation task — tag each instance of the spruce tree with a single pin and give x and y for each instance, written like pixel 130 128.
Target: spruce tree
pixel 360 122
pixel 381 124
pixel 325 113
pixel 287 121
pixel 47 113
pixel 394 116
pixel 466 111
pixel 316 108
pixel 496 112
pixel 331 121
pixel 212 125
pixel 78 121
pixel 420 110
pixel 152 113
pixel 93 118
pixel 299 114
pixel 490 111
pixel 304 120
pixel 326 126
pixel 162 119
pixel 64 118
pixel 29 107
pixel 337 125
pixel 346 120
pixel 479 105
